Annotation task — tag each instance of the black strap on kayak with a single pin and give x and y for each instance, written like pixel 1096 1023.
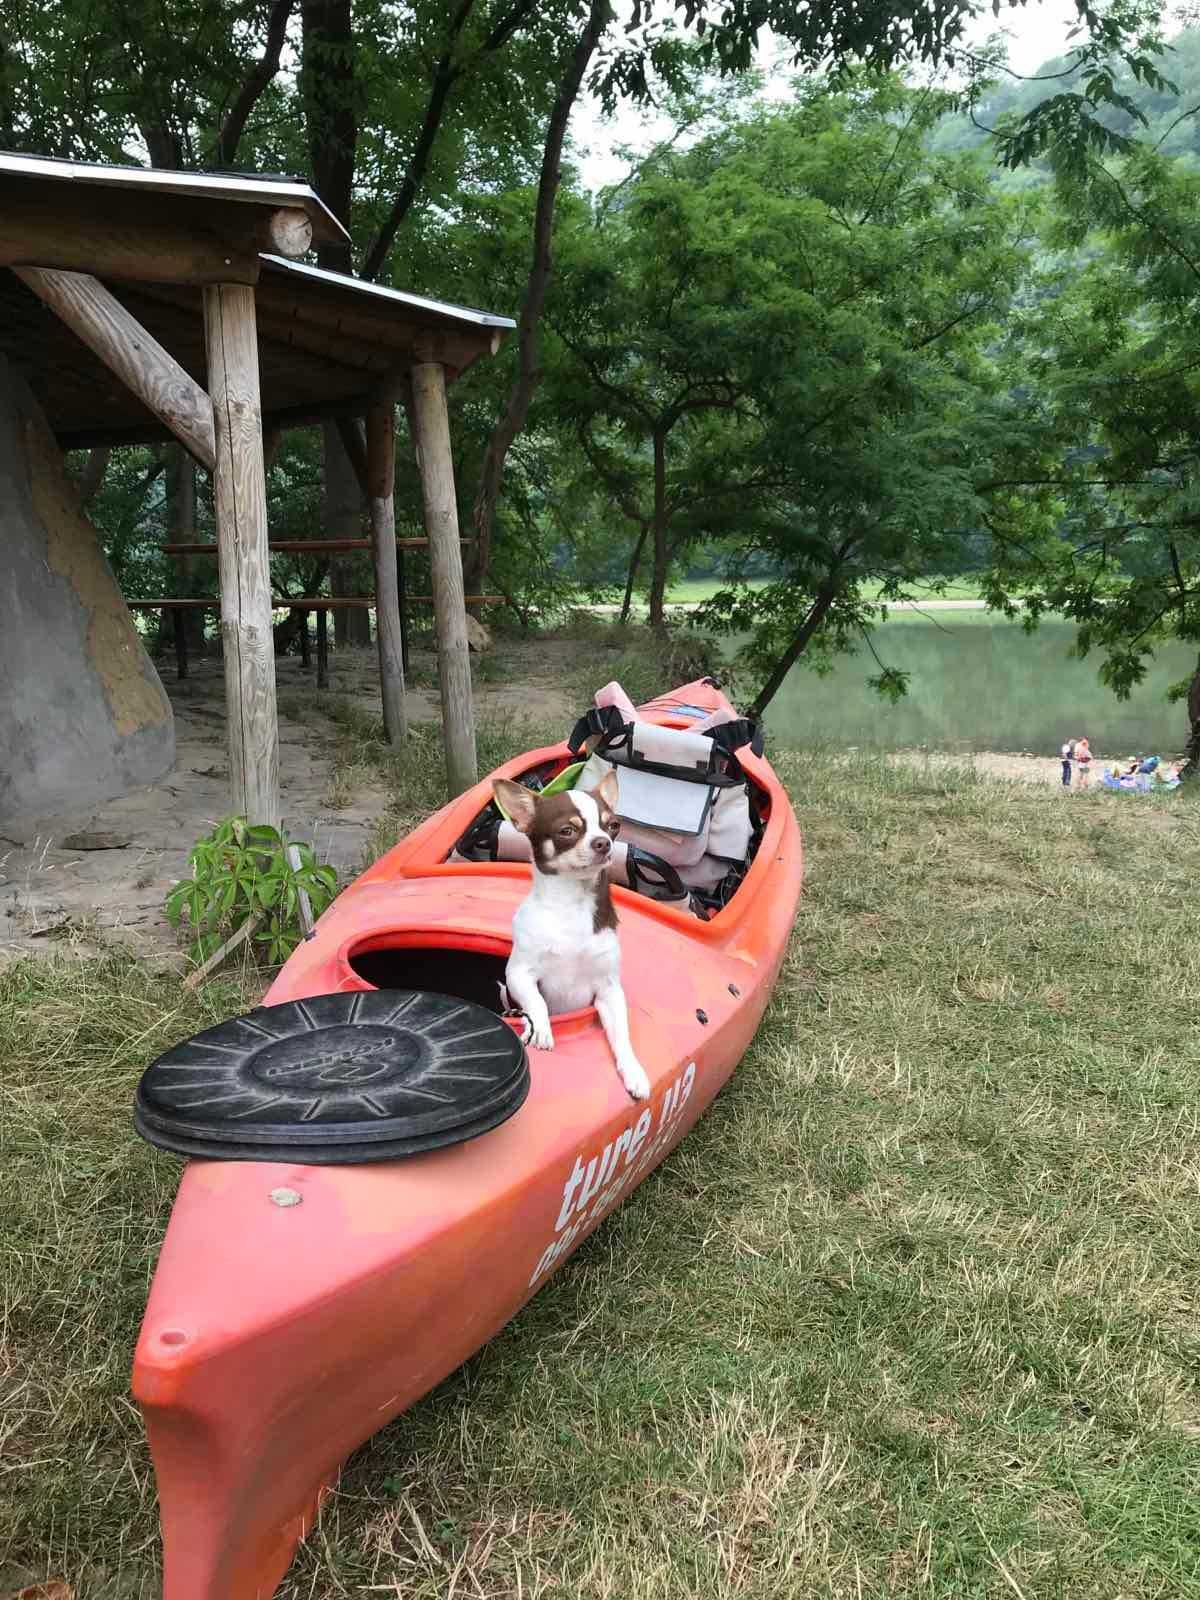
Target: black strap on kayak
pixel 653 877
pixel 614 732
pixel 606 721
pixel 731 736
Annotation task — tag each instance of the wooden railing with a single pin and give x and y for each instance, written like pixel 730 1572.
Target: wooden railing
pixel 322 604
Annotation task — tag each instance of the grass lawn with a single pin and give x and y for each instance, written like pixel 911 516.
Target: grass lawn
pixel 912 1311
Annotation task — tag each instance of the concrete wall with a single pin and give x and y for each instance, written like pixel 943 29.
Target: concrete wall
pixel 83 716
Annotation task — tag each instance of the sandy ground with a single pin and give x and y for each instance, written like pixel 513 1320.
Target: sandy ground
pixel 995 764
pixel 58 885
pixel 1024 766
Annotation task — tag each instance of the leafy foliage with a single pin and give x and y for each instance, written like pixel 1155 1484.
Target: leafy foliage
pixel 805 334
pixel 241 871
pixel 1111 357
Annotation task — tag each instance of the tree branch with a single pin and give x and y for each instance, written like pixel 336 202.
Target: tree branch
pixel 1172 245
pixel 259 77
pixel 445 75
pixel 626 504
pixel 512 420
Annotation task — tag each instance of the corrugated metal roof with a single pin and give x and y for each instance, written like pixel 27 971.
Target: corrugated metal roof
pixel 269 191
pixel 397 297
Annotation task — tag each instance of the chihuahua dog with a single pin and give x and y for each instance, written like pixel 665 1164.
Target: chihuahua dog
pixel 565 954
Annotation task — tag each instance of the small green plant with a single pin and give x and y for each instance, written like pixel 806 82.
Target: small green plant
pixel 241 871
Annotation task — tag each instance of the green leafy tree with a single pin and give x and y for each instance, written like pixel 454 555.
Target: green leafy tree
pixel 1111 358
pixel 787 336
pixel 403 114
pixel 651 329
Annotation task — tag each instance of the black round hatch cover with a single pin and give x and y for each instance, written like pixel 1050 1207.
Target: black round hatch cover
pixel 335 1079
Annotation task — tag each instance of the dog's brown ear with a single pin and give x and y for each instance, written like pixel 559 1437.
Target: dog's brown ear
pixel 607 788
pixel 517 801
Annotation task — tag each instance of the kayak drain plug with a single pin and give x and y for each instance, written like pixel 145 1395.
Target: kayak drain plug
pixel 286 1197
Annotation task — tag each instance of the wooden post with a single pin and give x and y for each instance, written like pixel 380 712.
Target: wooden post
pixel 381 480
pixel 436 466
pixel 305 646
pixel 402 606
pixel 181 529
pixel 322 648
pixel 181 656
pixel 240 500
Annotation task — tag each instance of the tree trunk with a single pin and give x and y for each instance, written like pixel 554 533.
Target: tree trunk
pixel 529 373
pixel 92 476
pixel 635 562
pixel 1191 769
pixel 658 582
pixel 329 95
pixel 826 595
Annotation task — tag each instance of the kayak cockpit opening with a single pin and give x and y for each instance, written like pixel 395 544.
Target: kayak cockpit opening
pixel 471 971
pixel 385 961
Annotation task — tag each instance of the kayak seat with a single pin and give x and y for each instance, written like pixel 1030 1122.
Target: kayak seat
pixel 690 820
pixel 336 1079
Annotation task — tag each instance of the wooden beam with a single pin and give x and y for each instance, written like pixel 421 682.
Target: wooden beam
pixel 295 335
pixel 286 324
pixel 405 334
pixel 240 501
pixel 303 602
pixel 431 434
pixel 299 416
pixel 456 351
pixel 301 547
pixel 381 484
pixel 117 235
pixel 286 232
pixel 151 373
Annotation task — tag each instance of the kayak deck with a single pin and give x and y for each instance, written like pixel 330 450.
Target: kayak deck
pixel 278 1337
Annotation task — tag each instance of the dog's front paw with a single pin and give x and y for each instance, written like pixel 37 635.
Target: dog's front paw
pixel 542 1038
pixel 634 1078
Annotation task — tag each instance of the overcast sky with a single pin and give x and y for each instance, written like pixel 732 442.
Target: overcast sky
pixel 1035 32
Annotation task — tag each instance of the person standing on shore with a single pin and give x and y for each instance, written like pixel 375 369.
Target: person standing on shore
pixel 1083 760
pixel 1068 755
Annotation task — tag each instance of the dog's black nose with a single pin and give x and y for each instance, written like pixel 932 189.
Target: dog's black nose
pixel 602 845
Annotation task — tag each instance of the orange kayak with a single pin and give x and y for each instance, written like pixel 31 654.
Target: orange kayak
pixel 298 1308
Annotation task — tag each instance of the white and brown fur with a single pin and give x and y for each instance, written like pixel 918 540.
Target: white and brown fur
pixel 565 953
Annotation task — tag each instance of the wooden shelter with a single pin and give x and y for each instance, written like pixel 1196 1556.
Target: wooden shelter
pixel 142 305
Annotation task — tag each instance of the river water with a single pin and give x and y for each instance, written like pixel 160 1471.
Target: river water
pixel 980 682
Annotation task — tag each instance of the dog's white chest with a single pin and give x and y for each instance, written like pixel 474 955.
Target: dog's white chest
pixel 569 958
